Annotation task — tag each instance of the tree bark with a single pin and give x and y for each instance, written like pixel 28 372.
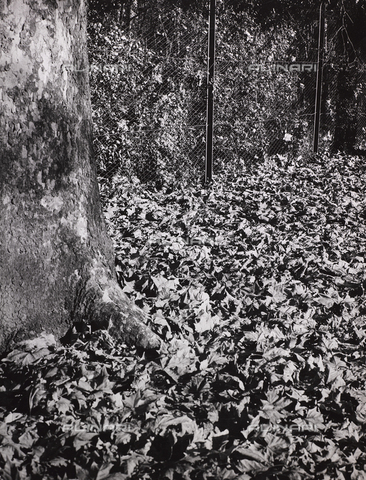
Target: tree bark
pixel 56 261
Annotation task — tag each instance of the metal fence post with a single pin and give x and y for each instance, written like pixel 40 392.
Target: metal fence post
pixel 210 96
pixel 319 77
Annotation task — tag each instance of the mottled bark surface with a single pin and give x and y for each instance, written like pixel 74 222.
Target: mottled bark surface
pixel 56 262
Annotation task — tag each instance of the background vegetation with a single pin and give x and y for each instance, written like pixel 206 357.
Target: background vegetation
pixel 149 62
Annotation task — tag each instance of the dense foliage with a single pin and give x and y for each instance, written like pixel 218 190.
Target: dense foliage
pixel 148 94
pixel 256 285
pixel 149 90
pixel 148 76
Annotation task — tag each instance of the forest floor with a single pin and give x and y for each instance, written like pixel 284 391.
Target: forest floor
pixel 256 284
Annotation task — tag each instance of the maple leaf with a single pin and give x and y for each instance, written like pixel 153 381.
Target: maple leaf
pixel 314 419
pixel 132 461
pixel 289 372
pixel 335 375
pixel 63 405
pixel 251 466
pixel 361 412
pixel 276 445
pixel 12 417
pixel 83 438
pixel 58 462
pixel 348 430
pixel 274 407
pixel 27 439
pixel 207 322
pixel 103 474
pixel 316 362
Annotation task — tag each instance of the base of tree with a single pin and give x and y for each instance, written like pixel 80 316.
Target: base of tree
pixel 102 304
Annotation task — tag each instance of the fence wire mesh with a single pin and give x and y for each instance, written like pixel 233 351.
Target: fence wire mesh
pixel 149 100
pixel 271 94
pixel 343 114
pixel 149 90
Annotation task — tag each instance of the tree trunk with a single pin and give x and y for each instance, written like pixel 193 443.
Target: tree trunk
pixel 56 262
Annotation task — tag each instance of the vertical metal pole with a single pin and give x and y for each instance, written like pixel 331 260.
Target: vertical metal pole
pixel 319 76
pixel 210 96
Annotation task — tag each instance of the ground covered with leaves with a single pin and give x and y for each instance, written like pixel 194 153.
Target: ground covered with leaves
pixel 256 284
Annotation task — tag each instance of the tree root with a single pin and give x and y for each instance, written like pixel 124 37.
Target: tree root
pixel 102 304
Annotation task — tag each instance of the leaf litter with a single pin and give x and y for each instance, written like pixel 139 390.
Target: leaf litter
pixel 256 285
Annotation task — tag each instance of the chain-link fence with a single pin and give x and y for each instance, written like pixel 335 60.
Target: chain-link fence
pixel 270 108
pixel 272 79
pixel 343 112
pixel 150 90
pixel 149 96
